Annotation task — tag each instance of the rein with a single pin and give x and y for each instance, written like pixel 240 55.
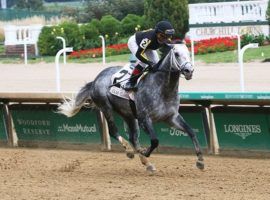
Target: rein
pixel 173 61
pixel 181 67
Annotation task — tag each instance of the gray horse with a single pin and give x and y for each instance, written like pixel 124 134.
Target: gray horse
pixel 156 100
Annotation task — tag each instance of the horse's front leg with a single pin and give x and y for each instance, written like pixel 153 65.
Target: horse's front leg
pixel 134 132
pixel 147 125
pixel 178 122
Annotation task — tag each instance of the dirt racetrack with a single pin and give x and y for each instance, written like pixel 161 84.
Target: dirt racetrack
pixel 206 78
pixel 69 175
pixel 39 174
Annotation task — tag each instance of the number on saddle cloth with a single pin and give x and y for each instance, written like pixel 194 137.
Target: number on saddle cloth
pixel 123 75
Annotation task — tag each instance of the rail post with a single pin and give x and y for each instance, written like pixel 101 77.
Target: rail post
pixel 69 49
pixel 241 54
pixel 25 39
pixel 64 46
pixel 103 49
pixel 238 45
pixel 192 51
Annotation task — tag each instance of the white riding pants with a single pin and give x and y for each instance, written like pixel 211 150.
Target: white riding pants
pixel 152 55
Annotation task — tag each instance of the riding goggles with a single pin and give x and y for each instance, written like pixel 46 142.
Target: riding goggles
pixel 169 32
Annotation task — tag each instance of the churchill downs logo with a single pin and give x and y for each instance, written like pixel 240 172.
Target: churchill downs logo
pixel 242 130
pixel 78 128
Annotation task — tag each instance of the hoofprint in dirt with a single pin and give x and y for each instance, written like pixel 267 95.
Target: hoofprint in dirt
pixel 64 174
pixel 206 77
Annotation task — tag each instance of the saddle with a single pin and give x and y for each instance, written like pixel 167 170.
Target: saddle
pixel 119 79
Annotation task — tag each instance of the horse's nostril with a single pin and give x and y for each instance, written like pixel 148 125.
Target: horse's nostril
pixel 186 70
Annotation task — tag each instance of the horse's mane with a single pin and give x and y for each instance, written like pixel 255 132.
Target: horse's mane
pixel 165 51
pixel 166 48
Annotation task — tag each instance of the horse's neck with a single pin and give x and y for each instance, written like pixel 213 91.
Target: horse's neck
pixel 173 80
pixel 168 82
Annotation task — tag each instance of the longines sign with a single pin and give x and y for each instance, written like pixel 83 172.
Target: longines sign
pixel 243 127
pixel 242 130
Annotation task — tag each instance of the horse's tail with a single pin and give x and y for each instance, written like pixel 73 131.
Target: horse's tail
pixel 72 106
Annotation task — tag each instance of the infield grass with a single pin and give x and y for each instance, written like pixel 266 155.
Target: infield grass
pixel 259 54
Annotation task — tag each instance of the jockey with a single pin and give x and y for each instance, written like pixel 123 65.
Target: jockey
pixel 144 45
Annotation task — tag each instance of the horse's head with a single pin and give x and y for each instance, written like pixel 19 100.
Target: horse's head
pixel 177 59
pixel 181 60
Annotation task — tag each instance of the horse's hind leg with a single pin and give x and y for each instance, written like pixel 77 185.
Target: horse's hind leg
pixel 113 131
pixel 179 123
pixel 133 132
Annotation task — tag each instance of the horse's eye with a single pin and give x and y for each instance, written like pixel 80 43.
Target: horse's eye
pixel 177 54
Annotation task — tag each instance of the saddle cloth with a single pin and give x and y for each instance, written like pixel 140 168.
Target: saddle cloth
pixel 122 77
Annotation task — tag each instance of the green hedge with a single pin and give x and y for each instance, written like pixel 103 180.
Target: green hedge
pixel 132 23
pixel 49 45
pixel 87 35
pixel 247 38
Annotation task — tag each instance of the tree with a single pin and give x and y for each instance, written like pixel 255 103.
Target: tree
pixel 121 8
pixel 131 23
pixel 109 25
pixel 29 4
pixel 212 1
pixel 10 3
pixel 174 11
pixel 117 8
pixel 96 9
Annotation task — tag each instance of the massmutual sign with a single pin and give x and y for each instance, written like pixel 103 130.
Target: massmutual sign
pixel 42 124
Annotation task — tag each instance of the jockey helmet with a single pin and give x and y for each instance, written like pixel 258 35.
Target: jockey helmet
pixel 164 30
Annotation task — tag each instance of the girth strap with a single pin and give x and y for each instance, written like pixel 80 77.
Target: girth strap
pixel 133 108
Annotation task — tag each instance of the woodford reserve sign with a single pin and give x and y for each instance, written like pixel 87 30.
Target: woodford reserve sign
pixel 41 123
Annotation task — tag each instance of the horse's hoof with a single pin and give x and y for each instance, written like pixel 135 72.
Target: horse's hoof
pixel 141 150
pixel 151 169
pixel 143 159
pixel 130 155
pixel 147 154
pixel 200 165
pixel 144 152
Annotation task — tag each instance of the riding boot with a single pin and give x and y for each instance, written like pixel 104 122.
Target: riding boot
pixel 132 82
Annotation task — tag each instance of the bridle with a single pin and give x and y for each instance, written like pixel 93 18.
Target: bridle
pixel 173 61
